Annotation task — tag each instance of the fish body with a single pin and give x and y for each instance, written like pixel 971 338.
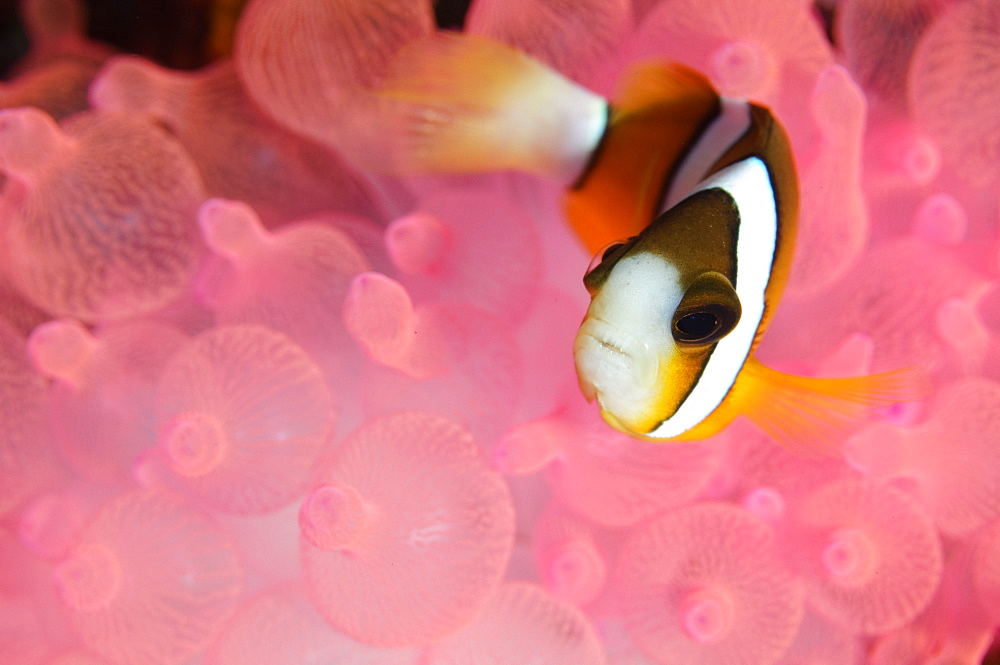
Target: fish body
pixel 690 202
pixel 710 197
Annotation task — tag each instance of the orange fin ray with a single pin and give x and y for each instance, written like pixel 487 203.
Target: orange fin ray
pixel 816 414
pixel 465 103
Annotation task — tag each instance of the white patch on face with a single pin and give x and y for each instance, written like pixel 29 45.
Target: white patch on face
pixel 748 183
pixel 626 335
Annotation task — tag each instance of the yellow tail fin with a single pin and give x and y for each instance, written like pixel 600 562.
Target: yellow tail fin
pixel 464 103
pixel 815 414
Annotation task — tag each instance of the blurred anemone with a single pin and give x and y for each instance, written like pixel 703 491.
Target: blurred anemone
pixel 406 533
pixel 706 584
pixel 149 580
pixel 874 558
pixel 281 627
pixel 573 37
pixel 878 38
pixel 92 374
pixel 953 80
pixel 27 460
pixel 521 623
pixel 243 415
pixel 118 192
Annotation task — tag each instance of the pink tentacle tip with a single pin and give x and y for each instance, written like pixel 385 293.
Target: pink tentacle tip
pixel 380 316
pixel 766 503
pixel 852 357
pixel 194 443
pixel 529 447
pixel 231 228
pixel 49 524
pixel 878 451
pixel 127 84
pixel 29 140
pixel 850 558
pixel 920 159
pixel 333 518
pixel 838 105
pixel 707 615
pixel 574 571
pixel 988 305
pixel 959 325
pixel 417 243
pixel 149 470
pixel 90 578
pixel 62 349
pixel 744 69
pixel 941 220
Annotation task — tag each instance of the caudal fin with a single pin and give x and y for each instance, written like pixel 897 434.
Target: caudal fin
pixel 815 414
pixel 464 103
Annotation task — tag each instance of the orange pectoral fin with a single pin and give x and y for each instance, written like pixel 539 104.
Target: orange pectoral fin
pixel 810 414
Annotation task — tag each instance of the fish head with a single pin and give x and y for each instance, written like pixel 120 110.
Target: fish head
pixel 648 332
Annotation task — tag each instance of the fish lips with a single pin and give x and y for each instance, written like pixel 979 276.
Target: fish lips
pixel 617 369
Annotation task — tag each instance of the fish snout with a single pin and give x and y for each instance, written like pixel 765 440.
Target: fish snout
pixel 614 367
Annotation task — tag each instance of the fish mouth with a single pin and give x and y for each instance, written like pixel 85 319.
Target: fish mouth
pixel 611 347
pixel 585 349
pixel 611 365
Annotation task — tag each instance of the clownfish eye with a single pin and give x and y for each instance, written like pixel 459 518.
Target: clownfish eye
pixel 704 325
pixel 697 326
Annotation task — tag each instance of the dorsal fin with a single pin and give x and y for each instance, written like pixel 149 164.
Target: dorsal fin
pixel 654 120
pixel 655 84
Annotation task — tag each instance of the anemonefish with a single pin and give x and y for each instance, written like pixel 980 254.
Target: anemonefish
pixel 690 202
